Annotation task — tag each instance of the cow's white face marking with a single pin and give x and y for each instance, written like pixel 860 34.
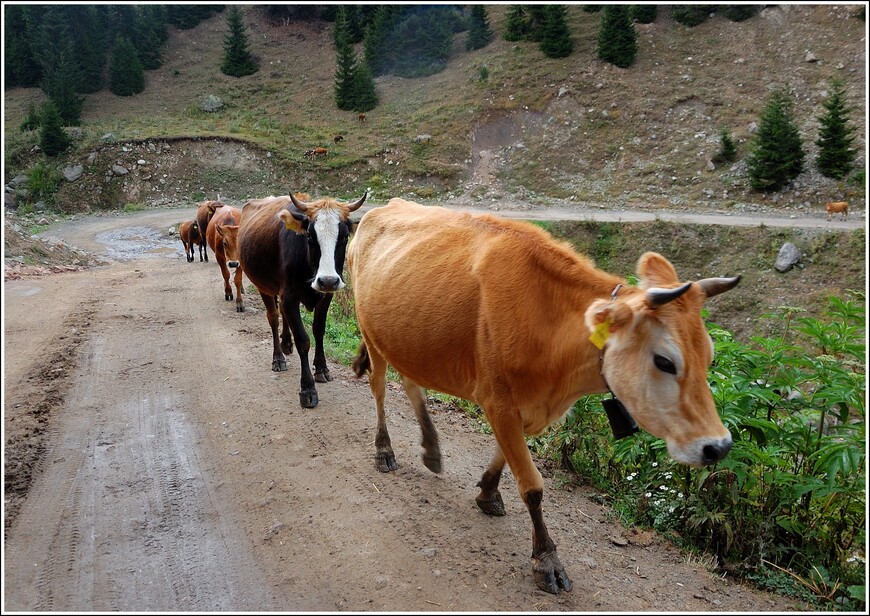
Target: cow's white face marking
pixel 327 227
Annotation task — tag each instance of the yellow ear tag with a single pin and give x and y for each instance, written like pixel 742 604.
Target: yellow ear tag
pixel 600 334
pixel 293 225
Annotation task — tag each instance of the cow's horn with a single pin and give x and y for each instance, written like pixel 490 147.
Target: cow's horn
pixel 659 297
pixel 356 204
pixel 715 286
pixel 302 206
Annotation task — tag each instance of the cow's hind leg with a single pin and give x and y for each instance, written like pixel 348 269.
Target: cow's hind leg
pixel 286 336
pixel 279 364
pixel 489 500
pixel 431 450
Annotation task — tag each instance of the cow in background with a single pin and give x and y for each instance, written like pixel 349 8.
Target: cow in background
pixel 204 213
pixel 222 234
pixel 498 312
pixel 190 237
pixel 293 250
pixel 837 207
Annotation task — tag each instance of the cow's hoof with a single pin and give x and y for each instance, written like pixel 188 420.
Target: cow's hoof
pixel 432 460
pixel 322 377
pixel 308 399
pixel 386 461
pixel 491 505
pixel 279 365
pixel 228 297
pixel 240 308
pixel 550 574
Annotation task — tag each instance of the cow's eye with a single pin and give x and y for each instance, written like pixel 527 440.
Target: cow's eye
pixel 664 364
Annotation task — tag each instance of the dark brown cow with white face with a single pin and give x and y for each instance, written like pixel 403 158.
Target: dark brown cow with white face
pixel 499 313
pixel 293 250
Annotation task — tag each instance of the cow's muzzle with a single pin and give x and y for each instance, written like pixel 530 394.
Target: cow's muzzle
pixel 233 264
pixel 328 284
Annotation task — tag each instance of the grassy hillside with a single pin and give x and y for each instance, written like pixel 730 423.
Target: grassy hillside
pixel 506 122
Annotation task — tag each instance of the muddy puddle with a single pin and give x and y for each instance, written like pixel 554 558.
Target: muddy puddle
pixel 137 242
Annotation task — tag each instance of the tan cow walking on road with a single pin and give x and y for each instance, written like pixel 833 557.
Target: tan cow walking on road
pixel 499 313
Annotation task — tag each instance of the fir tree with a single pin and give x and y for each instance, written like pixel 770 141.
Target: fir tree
pixel 19 61
pixel 555 35
pixel 644 13
pixel 727 149
pixel 89 46
pixel 616 36
pixel 60 73
pixel 516 28
pixel 692 14
pixel 364 96
pixel 237 56
pixel 377 42
pixel 537 17
pixel 345 76
pixel 479 32
pixel 777 156
pixel 31 121
pixel 836 153
pixel 52 138
pixel 126 76
pixel 149 34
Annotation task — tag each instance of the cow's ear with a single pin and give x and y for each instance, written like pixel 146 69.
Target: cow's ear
pixel 604 317
pixel 351 226
pixel 655 271
pixel 293 221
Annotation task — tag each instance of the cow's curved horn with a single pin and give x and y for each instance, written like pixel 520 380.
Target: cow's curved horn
pixel 356 204
pixel 302 206
pixel 715 286
pixel 659 297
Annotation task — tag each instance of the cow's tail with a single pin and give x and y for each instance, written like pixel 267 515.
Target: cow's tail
pixel 362 363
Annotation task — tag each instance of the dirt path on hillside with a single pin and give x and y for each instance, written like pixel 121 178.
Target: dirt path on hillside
pixel 155 463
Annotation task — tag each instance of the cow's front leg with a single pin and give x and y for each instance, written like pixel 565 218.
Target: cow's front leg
pixel 307 392
pixel 549 573
pixel 321 369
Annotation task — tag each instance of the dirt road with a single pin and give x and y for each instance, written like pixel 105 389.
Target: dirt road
pixel 154 462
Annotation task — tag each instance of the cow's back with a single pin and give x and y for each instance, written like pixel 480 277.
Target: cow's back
pixel 443 295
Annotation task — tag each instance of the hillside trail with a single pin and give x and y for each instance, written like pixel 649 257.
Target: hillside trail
pixel 174 471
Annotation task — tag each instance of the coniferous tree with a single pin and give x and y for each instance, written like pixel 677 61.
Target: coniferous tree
pixel 644 13
pixel 364 96
pixel 727 148
pixel 738 12
pixel 617 40
pixel 89 46
pixel 60 79
pixel 537 16
pixel 126 76
pixel 149 34
pixel 421 41
pixel 32 120
pixel 355 29
pixel 555 35
pixel 836 153
pixel 591 8
pixel 777 156
pixel 516 28
pixel 346 65
pixel 377 41
pixel 237 55
pixel 479 32
pixel 692 14
pixel 22 68
pixel 52 138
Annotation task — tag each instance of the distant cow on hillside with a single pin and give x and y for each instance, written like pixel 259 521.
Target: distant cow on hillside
pixel 337 138
pixel 361 117
pixel 315 152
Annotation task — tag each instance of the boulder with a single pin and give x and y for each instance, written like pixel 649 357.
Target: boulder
pixel 788 257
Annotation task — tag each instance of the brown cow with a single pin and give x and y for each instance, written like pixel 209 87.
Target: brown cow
pixel 293 249
pixel 222 234
pixel 837 207
pixel 337 138
pixel 190 237
pixel 361 117
pixel 499 313
pixel 204 213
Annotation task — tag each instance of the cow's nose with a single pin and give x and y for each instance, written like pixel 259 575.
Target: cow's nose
pixel 233 264
pixel 713 452
pixel 328 283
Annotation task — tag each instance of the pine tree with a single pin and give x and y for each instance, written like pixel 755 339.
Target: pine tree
pixel 727 149
pixel 836 153
pixel 479 32
pixel 555 35
pixel 149 34
pixel 644 13
pixel 516 28
pixel 777 156
pixel 377 41
pixel 60 75
pixel 126 76
pixel 237 56
pixel 89 45
pixel 32 120
pixel 345 76
pixel 19 60
pixel 616 36
pixel 692 15
pixel 364 96
pixel 52 138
